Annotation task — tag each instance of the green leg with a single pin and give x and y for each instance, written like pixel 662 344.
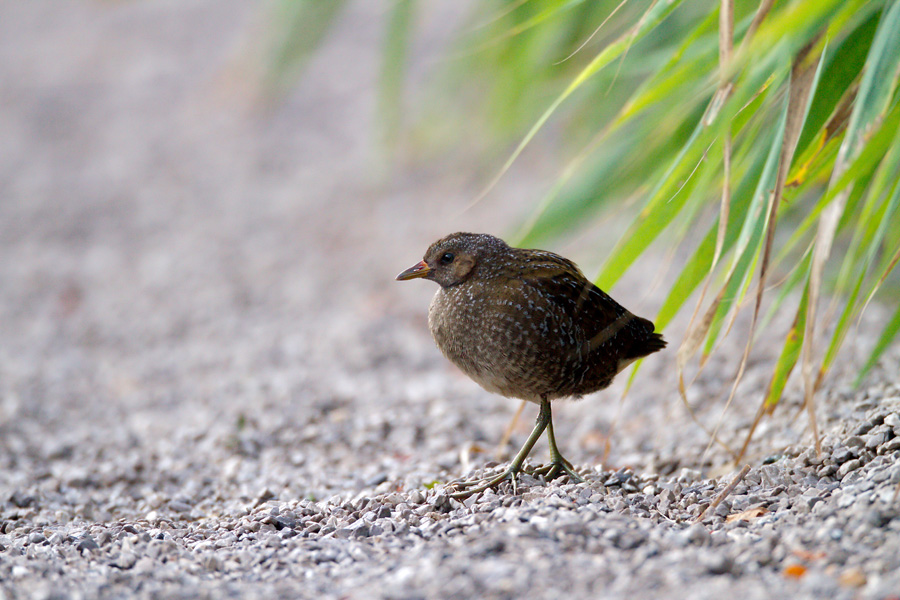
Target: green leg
pixel 557 461
pixel 515 467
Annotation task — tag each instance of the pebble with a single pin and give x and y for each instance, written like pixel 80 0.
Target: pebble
pixel 696 534
pixel 358 535
pixel 847 467
pixel 855 442
pixel 87 543
pixel 36 538
pixel 842 455
pixel 717 563
pixel 180 507
pixel 125 560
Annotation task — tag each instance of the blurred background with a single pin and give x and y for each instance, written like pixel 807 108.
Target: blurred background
pixel 203 206
pixel 198 267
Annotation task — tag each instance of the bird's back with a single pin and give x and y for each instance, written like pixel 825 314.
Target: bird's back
pixel 535 327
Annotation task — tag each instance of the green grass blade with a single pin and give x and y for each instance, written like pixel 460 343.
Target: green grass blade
pixel 867 160
pixel 749 242
pixel 790 352
pixel 393 68
pixel 873 226
pixel 653 17
pixel 879 78
pixel 697 267
pixel 300 26
pixel 841 71
pixel 887 336
pixel 663 205
pixel 873 100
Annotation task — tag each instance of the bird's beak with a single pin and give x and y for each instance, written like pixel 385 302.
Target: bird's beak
pixel 420 269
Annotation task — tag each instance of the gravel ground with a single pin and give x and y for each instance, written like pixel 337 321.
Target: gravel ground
pixel 211 386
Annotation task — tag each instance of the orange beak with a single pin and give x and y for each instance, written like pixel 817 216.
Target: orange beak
pixel 420 269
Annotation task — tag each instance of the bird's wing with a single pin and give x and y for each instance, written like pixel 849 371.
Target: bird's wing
pixel 600 319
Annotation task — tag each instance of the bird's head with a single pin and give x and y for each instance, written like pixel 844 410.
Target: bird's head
pixel 456 258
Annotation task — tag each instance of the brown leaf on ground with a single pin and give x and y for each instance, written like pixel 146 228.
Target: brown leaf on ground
pixel 852 578
pixel 747 515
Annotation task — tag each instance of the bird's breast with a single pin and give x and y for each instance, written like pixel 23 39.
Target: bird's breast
pixel 509 343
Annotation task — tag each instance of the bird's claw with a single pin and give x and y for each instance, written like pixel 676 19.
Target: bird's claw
pixel 552 470
pixel 557 468
pixel 479 485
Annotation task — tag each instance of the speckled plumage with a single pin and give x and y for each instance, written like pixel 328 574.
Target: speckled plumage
pixel 527 324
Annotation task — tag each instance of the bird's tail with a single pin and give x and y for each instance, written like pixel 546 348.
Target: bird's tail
pixel 652 342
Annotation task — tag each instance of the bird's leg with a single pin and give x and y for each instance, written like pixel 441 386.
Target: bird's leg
pixel 557 461
pixel 515 467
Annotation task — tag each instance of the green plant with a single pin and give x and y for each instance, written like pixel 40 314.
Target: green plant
pixel 734 117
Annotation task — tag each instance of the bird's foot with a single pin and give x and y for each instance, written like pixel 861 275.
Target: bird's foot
pixel 556 468
pixel 467 489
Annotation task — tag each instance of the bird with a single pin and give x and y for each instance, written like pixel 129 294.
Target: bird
pixel 527 324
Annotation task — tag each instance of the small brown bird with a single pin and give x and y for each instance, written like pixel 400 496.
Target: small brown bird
pixel 527 324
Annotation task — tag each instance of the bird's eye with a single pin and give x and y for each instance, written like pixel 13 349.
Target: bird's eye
pixel 447 258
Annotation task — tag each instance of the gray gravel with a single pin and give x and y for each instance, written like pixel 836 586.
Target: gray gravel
pixel 210 386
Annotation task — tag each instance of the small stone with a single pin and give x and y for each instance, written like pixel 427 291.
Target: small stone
pixel 442 503
pixel 695 535
pixel 812 458
pixel 879 518
pixel 826 470
pixel 875 439
pixel 863 428
pixel 688 475
pixel 125 560
pixel 36 537
pixel 179 506
pixel 717 563
pixel 841 454
pixel 87 543
pixel 264 496
pixel 723 510
pixel 777 490
pixel 847 467
pixel 363 531
pixel 145 565
pixel 890 446
pixel 57 538
pixel 811 502
pixel 855 442
pixel 20 499
pixel 393 499
pixel 416 497
pixel 376 480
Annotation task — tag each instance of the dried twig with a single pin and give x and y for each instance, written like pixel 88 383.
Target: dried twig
pixel 724 494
